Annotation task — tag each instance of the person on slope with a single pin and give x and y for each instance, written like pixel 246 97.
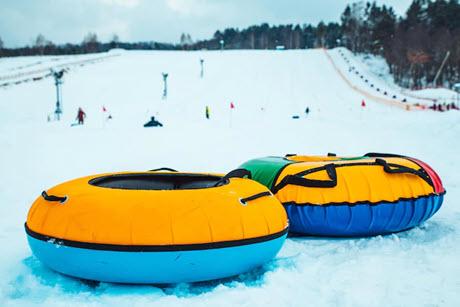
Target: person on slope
pixel 363 103
pixel 81 115
pixel 207 112
pixel 307 110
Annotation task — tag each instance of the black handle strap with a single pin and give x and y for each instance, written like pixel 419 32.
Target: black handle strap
pixel 245 200
pixel 392 168
pixel 239 173
pixel 236 173
pixel 163 169
pixel 299 180
pixel 54 197
pixel 383 155
pixel 329 154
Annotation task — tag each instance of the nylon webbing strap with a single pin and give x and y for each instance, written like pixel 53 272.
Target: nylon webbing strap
pixel 299 180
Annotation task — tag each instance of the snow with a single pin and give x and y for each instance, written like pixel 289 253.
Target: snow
pixel 27 69
pixel 437 93
pixel 417 267
pixel 376 70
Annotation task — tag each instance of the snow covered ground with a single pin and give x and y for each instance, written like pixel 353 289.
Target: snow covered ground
pixel 375 74
pixel 413 268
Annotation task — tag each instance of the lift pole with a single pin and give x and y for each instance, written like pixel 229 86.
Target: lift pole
pixel 58 82
pixel 440 68
pixel 202 68
pixel 165 85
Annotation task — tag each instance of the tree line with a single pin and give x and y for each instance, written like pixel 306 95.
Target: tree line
pixel 416 46
pixel 89 44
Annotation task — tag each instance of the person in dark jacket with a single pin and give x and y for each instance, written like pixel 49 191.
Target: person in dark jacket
pixel 153 123
pixel 81 115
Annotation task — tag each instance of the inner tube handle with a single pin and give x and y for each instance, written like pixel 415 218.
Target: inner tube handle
pixel 236 173
pixel 163 169
pixel 61 199
pixel 298 180
pixel 393 168
pixel 245 200
pixel 396 168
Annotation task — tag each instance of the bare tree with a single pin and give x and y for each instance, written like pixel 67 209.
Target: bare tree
pixel 114 41
pixel 40 43
pixel 90 42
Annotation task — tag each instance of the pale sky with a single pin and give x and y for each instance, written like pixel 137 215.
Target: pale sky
pixel 64 21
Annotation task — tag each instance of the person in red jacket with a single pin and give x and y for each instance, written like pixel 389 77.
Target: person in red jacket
pixel 363 103
pixel 81 115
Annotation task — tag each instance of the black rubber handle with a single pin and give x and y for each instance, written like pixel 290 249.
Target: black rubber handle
pixel 297 179
pixel 236 173
pixel 163 169
pixel 245 200
pixel 47 197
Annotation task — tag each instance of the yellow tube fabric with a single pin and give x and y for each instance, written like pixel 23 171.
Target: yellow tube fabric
pixel 358 180
pixel 157 217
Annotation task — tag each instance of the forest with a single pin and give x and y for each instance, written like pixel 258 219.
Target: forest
pixel 416 46
pixel 422 47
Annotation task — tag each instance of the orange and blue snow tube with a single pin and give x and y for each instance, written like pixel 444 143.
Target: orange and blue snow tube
pixel 156 227
pixel 361 196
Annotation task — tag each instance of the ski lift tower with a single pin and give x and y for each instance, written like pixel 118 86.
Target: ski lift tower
pixel 202 69
pixel 58 82
pixel 165 85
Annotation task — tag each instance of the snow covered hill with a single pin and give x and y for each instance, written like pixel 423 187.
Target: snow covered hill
pixel 268 88
pixel 372 74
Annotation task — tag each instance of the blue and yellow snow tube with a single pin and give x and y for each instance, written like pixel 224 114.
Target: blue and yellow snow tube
pixel 156 227
pixel 363 196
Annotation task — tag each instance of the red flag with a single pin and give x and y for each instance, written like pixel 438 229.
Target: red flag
pixel 104 109
pixel 232 106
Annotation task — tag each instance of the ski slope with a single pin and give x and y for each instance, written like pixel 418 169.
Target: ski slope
pixel 372 74
pixel 413 268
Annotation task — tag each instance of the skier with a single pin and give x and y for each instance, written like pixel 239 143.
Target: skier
pixel 81 115
pixel 363 103
pixel 307 110
pixel 207 112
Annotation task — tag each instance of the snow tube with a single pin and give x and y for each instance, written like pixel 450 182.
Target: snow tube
pixel 363 196
pixel 156 227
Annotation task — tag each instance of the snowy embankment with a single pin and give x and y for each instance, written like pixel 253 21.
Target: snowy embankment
pixel 372 74
pixel 417 267
pixel 33 69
